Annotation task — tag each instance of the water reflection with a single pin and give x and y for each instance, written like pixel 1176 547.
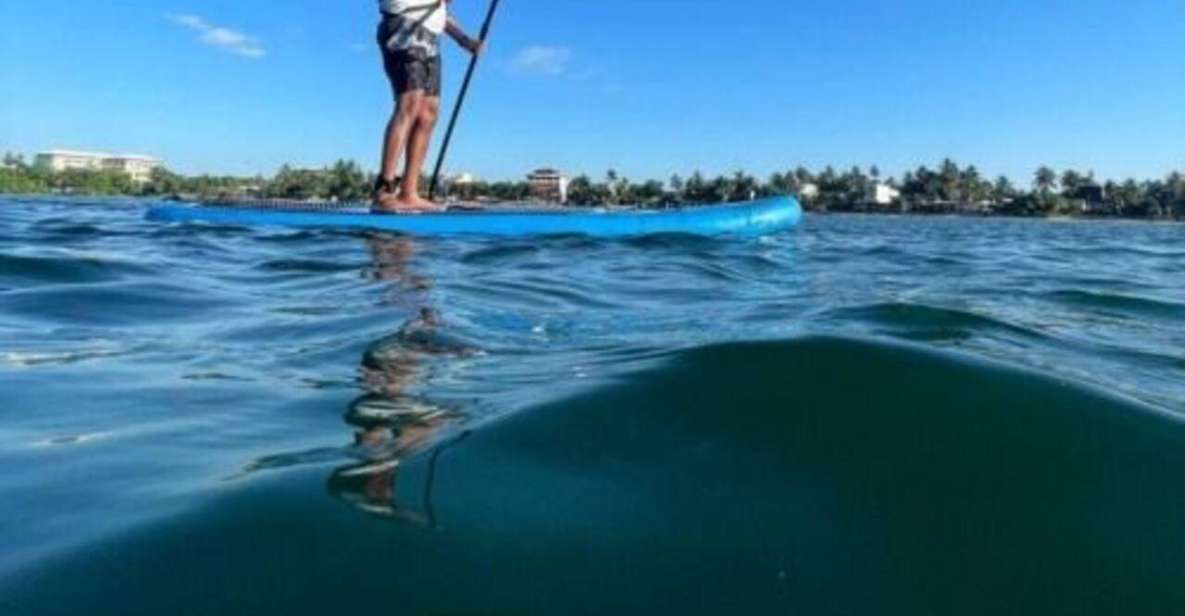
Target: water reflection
pixel 389 421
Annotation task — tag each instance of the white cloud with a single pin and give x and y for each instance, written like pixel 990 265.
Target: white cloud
pixel 222 38
pixel 539 60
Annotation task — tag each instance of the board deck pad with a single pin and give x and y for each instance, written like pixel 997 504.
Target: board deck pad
pixel 365 207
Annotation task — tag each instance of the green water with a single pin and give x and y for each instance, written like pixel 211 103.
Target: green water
pixel 866 416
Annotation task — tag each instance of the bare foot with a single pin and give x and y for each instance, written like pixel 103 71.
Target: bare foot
pixel 417 204
pixel 390 203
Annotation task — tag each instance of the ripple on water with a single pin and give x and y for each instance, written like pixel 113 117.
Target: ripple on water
pixel 610 412
pixel 504 253
pixel 824 464
pixel 311 266
pixel 929 323
pixel 123 304
pixel 1129 304
pixel 31 358
pixel 65 268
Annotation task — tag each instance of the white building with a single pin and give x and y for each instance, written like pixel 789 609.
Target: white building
pixel 463 179
pixel 808 191
pixel 883 194
pixel 139 168
pixel 549 185
pixel 64 160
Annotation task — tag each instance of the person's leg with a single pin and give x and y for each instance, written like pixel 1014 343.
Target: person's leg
pixel 404 72
pixel 403 119
pixel 417 150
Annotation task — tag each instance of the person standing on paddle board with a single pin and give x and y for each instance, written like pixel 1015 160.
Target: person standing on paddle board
pixel 409 39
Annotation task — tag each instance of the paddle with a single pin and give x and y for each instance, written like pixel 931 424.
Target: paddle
pixel 452 123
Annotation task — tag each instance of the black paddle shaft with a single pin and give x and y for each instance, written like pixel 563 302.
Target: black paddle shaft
pixel 452 123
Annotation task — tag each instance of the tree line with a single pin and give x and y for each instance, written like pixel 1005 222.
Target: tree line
pixel 343 181
pixel 947 188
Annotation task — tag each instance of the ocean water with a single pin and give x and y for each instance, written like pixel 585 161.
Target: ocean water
pixel 868 415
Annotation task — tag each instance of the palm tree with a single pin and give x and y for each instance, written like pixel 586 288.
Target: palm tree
pixel 950 176
pixel 611 184
pixel 1044 180
pixel 1128 194
pixel 623 191
pixel 649 193
pixel 696 188
pixel 1176 185
pixel 856 185
pixel 580 191
pixel 677 186
pixel 803 176
pixel 346 182
pixel 1003 188
pixel 927 184
pixel 793 184
pixel 827 178
pixel 972 184
pixel 744 186
pixel 1071 181
pixel 780 184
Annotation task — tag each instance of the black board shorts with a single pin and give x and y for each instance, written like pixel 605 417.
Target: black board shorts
pixel 417 67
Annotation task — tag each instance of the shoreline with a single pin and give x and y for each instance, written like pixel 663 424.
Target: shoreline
pixel 198 200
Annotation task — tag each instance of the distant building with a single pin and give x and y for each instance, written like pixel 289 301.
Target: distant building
pixel 64 160
pixel 139 168
pixel 1090 193
pixel 463 179
pixel 549 185
pixel 1089 198
pixel 883 194
pixel 808 191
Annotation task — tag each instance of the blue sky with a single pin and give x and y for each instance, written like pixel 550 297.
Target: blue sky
pixel 647 87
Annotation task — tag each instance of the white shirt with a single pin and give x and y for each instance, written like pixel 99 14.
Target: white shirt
pixel 415 10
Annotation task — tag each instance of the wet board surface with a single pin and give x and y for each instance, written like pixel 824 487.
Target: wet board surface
pixel 748 218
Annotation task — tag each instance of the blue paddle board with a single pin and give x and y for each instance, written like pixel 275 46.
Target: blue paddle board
pixel 749 218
